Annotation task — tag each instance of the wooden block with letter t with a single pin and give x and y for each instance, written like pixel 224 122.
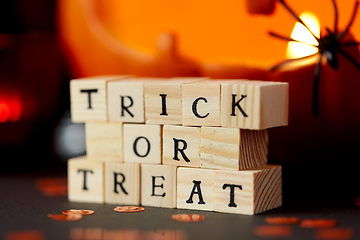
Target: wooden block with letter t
pixel 254 104
pixel 158 185
pixel 85 180
pixel 88 98
pixel 233 148
pixel 122 183
pixel 195 188
pixel 248 192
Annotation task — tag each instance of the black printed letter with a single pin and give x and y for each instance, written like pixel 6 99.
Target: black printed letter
pixel 85 171
pixel 119 183
pixel 237 104
pixel 196 187
pixel 88 91
pixel 154 186
pixel 135 147
pixel 232 193
pixel 125 108
pixel 163 102
pixel 194 107
pixel 181 150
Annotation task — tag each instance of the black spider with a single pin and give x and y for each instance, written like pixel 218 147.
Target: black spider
pixel 328 45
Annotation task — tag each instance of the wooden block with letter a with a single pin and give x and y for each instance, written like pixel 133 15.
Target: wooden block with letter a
pixel 233 148
pixel 122 183
pixel 142 143
pixel 88 98
pixel 254 104
pixel 195 188
pixel 85 180
pixel 158 185
pixel 248 192
pixel 181 146
pixel 104 141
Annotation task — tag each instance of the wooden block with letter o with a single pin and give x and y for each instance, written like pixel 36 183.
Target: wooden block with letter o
pixel 122 183
pixel 233 148
pixel 85 180
pixel 158 185
pixel 248 192
pixel 195 188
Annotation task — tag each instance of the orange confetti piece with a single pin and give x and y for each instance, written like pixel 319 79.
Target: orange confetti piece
pixel 272 231
pixel 62 217
pixel 335 233
pixel 318 223
pixel 128 209
pixel 76 211
pixel 188 217
pixel 21 235
pixel 282 220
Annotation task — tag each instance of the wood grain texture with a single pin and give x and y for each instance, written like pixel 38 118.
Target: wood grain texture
pixel 158 185
pixel 233 148
pixel 85 180
pixel 179 141
pixel 81 111
pixel 122 183
pixel 142 143
pixel 254 190
pixel 104 141
pixel 195 184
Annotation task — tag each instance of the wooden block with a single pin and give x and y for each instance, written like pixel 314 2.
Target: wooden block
pixel 195 188
pixel 122 183
pixel 181 146
pixel 248 192
pixel 88 98
pixel 158 185
pixel 85 180
pixel 163 100
pixel 104 141
pixel 142 143
pixel 233 148
pixel 254 104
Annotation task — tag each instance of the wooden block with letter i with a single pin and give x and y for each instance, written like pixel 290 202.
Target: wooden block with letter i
pixel 233 148
pixel 88 98
pixel 122 183
pixel 158 185
pixel 85 180
pixel 104 141
pixel 248 192
pixel 195 188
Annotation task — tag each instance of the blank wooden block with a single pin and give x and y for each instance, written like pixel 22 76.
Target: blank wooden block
pixel 195 188
pixel 104 141
pixel 85 180
pixel 122 183
pixel 163 100
pixel 142 143
pixel 254 104
pixel 158 185
pixel 181 146
pixel 248 192
pixel 233 148
pixel 88 98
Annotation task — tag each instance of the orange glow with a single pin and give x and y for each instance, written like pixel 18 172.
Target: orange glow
pixel 4 112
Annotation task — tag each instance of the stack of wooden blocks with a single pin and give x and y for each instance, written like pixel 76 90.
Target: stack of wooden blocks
pixel 187 143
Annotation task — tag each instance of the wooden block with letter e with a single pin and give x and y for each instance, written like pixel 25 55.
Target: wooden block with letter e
pixel 88 98
pixel 122 183
pixel 195 188
pixel 85 180
pixel 254 104
pixel 142 143
pixel 163 100
pixel 248 192
pixel 233 148
pixel 158 185
pixel 181 146
pixel 104 141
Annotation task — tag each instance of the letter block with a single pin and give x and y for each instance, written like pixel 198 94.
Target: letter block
pixel 254 104
pixel 88 98
pixel 195 188
pixel 233 148
pixel 158 185
pixel 104 141
pixel 142 143
pixel 181 146
pixel 85 180
pixel 248 192
pixel 122 183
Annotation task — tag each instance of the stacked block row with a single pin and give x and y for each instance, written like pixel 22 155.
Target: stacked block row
pixel 190 143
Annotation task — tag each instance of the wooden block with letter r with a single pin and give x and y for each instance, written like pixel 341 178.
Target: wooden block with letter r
pixel 88 97
pixel 85 180
pixel 249 191
pixel 233 148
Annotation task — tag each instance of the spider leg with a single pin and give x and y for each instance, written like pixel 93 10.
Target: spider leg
pixel 316 87
pixel 336 17
pixel 350 58
pixel 290 60
pixel 289 39
pixel 343 33
pixel 297 18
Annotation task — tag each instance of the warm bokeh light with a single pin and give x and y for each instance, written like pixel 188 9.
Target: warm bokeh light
pixel 300 33
pixel 4 112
